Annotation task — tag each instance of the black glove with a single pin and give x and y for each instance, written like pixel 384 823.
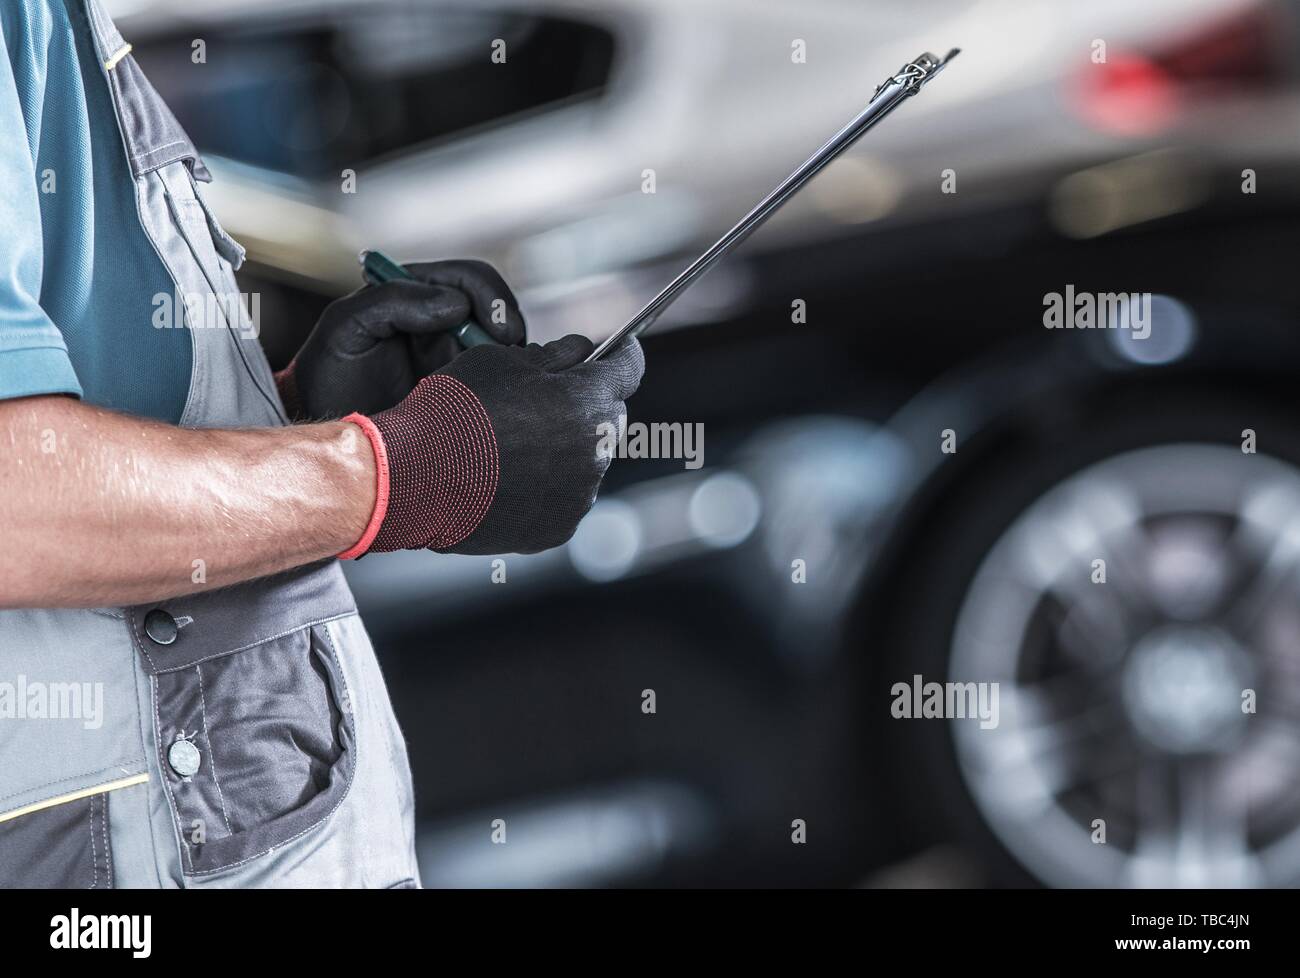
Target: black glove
pixel 498 451
pixel 371 347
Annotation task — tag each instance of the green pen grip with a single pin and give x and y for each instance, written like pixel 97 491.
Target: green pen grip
pixel 378 268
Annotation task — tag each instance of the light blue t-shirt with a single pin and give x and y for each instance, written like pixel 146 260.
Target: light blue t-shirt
pixel 78 276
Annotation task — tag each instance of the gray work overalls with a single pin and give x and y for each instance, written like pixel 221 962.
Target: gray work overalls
pixel 245 736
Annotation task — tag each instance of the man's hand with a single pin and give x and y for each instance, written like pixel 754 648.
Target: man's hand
pixel 370 348
pixel 497 452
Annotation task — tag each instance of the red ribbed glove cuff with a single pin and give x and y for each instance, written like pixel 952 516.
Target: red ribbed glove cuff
pixel 382 487
pixel 437 453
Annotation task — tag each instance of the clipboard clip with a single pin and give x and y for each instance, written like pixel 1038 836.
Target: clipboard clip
pixel 916 73
pixel 888 96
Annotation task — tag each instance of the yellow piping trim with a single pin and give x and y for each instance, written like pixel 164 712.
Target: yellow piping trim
pixel 98 789
pixel 111 63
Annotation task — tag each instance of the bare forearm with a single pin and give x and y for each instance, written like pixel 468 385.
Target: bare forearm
pixel 103 509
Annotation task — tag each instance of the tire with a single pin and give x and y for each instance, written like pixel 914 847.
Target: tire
pixel 917 615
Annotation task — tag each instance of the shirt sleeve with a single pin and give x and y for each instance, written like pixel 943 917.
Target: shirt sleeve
pixel 33 356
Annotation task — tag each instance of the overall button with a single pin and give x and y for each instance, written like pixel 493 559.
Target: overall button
pixel 160 626
pixel 184 758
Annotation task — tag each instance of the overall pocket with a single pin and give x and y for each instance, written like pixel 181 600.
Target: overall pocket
pixel 64 846
pixel 252 716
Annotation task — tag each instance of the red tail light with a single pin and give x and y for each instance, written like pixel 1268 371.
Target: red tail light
pixel 1141 93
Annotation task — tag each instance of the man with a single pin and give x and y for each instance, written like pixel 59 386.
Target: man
pixel 187 696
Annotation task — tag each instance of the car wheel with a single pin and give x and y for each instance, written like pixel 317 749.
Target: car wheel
pixel 1134 597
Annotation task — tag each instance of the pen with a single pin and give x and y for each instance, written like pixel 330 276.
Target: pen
pixel 378 268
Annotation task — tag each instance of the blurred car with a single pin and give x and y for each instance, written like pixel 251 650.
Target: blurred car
pixel 538 164
pixel 1118 166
